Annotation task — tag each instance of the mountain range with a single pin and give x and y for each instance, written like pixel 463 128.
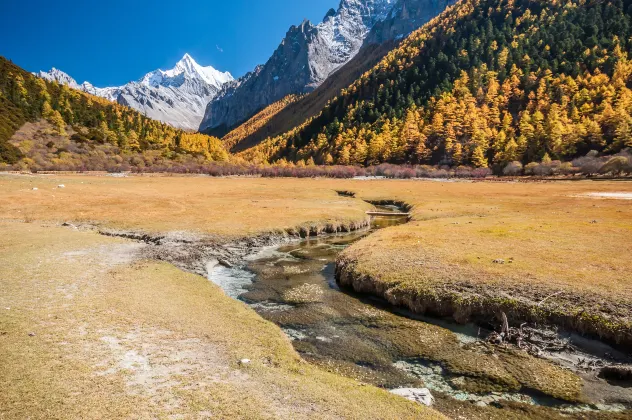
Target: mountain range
pixel 177 96
pixel 404 17
pixel 194 98
pixel 487 83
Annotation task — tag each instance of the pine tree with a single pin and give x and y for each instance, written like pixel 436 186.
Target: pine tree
pixel 478 158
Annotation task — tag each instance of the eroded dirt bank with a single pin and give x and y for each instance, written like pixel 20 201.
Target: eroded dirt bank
pixel 465 302
pixel 199 253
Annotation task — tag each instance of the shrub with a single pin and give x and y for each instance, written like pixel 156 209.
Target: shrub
pixel 543 170
pixel 567 169
pixel 616 166
pixel 481 173
pixel 589 164
pixel 440 173
pixel 463 172
pixel 9 153
pixel 530 168
pixel 513 169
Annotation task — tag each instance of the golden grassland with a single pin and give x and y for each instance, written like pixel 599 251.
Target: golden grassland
pixel 140 338
pixel 88 330
pixel 553 231
pixel 216 206
pixel 549 234
pixel 566 255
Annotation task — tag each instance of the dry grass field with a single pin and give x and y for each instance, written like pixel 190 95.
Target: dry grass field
pixel 535 250
pixel 91 329
pixel 226 207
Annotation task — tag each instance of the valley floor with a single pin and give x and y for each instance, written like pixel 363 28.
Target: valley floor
pixel 93 326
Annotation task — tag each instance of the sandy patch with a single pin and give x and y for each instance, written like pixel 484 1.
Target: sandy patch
pixel 155 363
pixel 613 196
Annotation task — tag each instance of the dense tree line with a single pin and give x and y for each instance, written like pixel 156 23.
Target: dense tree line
pixel 257 122
pixel 487 83
pixel 94 121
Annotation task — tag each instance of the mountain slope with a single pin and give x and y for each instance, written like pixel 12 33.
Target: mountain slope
pixel 405 17
pixel 486 83
pixel 81 131
pixel 259 122
pixel 177 96
pixel 306 57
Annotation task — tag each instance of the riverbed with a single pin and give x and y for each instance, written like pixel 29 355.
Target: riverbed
pixel 294 286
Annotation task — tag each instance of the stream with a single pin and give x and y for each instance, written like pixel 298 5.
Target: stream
pixel 362 337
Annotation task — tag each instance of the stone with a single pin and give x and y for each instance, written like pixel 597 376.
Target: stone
pixel 244 362
pixel 225 263
pixel 420 395
pixel 61 186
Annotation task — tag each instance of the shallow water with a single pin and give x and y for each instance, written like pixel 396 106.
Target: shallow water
pixel 359 336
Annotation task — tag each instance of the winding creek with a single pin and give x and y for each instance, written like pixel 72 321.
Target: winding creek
pixel 294 286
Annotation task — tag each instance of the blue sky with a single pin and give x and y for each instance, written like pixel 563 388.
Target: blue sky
pixel 110 43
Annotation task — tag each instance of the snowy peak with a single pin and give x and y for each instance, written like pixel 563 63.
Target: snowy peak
pixel 177 97
pixel 187 69
pixel 55 75
pixel 341 35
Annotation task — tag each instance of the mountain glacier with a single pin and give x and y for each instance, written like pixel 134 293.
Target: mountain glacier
pixel 177 96
pixel 306 57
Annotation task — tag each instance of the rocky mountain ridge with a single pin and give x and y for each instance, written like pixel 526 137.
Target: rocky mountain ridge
pixel 177 96
pixel 306 57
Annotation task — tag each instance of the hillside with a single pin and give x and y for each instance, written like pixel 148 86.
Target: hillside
pixel 257 124
pixel 405 17
pixel 310 105
pixel 488 82
pixel 75 130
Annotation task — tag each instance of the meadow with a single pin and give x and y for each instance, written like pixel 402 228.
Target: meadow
pixel 90 315
pixel 90 328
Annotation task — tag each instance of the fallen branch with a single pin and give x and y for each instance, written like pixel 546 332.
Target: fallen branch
pixel 549 297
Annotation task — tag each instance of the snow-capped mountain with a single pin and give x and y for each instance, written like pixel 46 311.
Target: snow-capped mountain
pixel 405 17
pixel 177 96
pixel 55 75
pixel 187 68
pixel 304 59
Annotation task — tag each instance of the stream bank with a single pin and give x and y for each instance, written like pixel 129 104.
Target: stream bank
pixel 294 285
